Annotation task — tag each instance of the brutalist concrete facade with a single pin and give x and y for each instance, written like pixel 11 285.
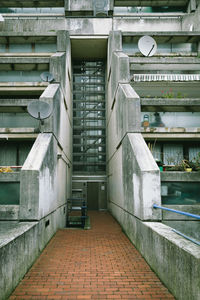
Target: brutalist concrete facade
pixel 38 42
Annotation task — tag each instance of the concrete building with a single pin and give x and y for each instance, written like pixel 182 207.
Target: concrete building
pixel 113 113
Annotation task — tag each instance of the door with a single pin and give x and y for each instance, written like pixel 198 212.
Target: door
pixel 93 195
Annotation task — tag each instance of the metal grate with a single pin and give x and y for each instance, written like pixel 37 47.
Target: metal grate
pixel 89 141
pixel 165 77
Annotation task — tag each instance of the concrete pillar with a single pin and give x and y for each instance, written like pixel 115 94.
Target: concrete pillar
pixel 57 67
pixel 63 40
pixel 114 44
pixel 192 6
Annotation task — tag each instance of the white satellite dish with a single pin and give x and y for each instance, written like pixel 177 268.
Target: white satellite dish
pixel 39 110
pixel 46 76
pixel 147 45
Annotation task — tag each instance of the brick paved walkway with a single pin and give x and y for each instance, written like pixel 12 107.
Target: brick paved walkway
pixel 100 263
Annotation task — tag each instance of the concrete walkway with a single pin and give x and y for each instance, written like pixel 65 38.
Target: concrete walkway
pixel 100 263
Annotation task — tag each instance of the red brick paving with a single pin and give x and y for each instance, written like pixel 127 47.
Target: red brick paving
pixel 100 263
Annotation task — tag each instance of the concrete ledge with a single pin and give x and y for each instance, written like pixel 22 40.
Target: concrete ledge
pixel 20 245
pixel 9 212
pixel 180 176
pixel 174 259
pixel 10 177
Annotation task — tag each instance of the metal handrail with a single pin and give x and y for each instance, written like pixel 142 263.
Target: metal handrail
pixel 181 213
pixel 186 237
pixel 177 211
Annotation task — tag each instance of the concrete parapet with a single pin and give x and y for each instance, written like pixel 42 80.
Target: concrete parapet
pixel 86 7
pixel 38 192
pixel 124 117
pixel 134 179
pixel 141 178
pixel 1 22
pixel 9 212
pixel 114 44
pixel 119 74
pixel 21 243
pixel 52 96
pixel 57 66
pixel 62 40
pixel 146 24
pixel 174 259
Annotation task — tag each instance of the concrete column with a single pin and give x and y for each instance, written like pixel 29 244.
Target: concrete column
pixel 62 40
pixel 192 6
pixel 57 67
pixel 114 44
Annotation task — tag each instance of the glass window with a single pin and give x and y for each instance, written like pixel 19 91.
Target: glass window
pixel 9 193
pixel 180 193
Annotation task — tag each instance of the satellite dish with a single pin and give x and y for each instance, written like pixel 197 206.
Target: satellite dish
pixel 46 76
pixel 147 45
pixel 39 110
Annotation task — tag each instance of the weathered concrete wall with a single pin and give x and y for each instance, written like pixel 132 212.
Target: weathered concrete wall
pixel 141 178
pixel 134 179
pixel 9 212
pixel 132 170
pixel 38 188
pixel 146 24
pixel 191 22
pixel 124 116
pixel 189 228
pixel 91 26
pixel 173 258
pixel 81 6
pixel 29 239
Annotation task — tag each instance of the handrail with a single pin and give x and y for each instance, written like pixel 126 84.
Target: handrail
pixel 186 237
pixel 177 211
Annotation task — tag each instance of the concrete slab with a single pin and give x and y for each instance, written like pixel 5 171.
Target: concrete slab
pixel 10 230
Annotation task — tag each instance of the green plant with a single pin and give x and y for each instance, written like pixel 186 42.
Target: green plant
pixel 170 94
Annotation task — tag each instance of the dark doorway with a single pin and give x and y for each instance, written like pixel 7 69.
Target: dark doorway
pixel 93 195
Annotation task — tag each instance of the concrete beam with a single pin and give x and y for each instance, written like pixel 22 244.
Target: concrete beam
pixel 18 136
pixel 149 2
pixel 27 37
pixel 23 60
pixel 165 36
pixel 180 176
pixel 22 88
pixel 171 136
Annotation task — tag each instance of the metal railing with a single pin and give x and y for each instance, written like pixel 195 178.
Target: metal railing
pixel 165 77
pixel 177 211
pixel 181 213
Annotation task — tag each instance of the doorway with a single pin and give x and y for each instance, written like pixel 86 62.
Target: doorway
pixel 93 195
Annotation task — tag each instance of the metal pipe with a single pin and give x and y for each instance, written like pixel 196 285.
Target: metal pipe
pixel 177 211
pixel 186 237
